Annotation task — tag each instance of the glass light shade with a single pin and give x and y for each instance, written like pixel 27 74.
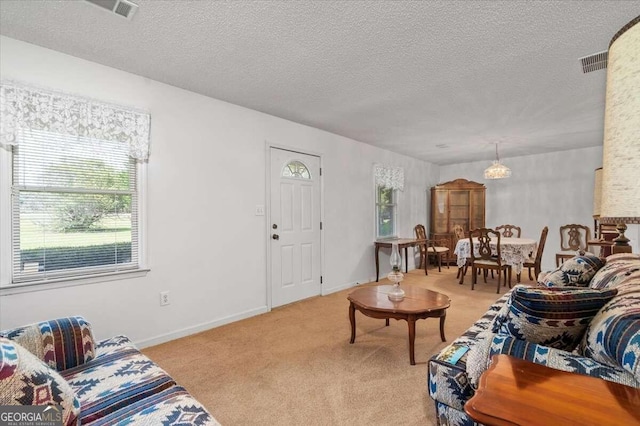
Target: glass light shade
pixel 497 171
pixel 621 150
pixel 395 260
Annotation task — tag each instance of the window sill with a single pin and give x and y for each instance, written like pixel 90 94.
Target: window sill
pixel 69 282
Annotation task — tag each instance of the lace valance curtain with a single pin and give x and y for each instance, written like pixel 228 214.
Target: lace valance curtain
pixel 389 177
pixel 24 107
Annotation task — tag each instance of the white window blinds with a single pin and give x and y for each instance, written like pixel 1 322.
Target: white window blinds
pixel 74 206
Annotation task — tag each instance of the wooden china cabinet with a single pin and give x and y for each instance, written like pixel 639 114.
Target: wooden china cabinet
pixel 458 202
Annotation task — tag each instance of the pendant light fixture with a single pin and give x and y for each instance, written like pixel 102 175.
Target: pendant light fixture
pixel 497 170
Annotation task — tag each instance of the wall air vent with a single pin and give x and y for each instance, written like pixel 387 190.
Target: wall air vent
pixel 123 8
pixel 595 62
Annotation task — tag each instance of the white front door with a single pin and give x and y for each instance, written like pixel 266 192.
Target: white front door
pixel 295 226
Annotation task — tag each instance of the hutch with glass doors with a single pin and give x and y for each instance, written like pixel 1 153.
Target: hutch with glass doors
pixel 458 202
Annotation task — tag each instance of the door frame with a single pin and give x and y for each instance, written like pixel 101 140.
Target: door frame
pixel 268 146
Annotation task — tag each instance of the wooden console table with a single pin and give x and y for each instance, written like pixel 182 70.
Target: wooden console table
pixel 518 392
pixel 403 243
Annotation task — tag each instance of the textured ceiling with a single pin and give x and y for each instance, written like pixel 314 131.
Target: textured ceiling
pixel 438 80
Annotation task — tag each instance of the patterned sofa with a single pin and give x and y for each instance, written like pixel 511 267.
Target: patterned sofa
pixel 607 346
pixel 58 362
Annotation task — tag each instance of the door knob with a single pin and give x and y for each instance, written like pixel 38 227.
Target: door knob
pixel 275 236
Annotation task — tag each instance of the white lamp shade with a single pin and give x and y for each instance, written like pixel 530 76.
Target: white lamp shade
pixel 597 193
pixel 621 151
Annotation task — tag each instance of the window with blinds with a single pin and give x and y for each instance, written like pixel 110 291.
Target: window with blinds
pixel 385 212
pixel 74 207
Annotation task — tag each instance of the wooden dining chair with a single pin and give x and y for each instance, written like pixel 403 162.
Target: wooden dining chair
pixel 421 234
pixel 536 261
pixel 509 231
pixel 435 249
pixel 486 259
pixel 573 239
pixel 458 233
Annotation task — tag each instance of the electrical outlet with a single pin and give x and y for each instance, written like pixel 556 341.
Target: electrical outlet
pixel 259 210
pixel 164 298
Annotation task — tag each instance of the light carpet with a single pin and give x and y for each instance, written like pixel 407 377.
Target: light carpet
pixel 295 366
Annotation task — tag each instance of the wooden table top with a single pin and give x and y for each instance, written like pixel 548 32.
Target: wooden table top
pixel 515 391
pixel 401 242
pixel 416 299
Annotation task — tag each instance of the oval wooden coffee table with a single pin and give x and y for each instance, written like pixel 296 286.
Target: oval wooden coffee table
pixel 418 303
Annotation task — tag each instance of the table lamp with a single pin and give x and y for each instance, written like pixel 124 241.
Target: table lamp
pixel 396 294
pixel 621 149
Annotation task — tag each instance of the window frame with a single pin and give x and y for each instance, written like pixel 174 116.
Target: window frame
pixel 394 206
pixel 7 284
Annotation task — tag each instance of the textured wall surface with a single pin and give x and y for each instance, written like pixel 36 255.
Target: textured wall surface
pixel 205 244
pixel 544 190
pixel 407 76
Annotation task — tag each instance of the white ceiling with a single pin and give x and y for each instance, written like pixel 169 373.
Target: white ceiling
pixel 436 80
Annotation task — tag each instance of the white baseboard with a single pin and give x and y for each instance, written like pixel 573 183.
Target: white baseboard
pixel 344 286
pixel 198 328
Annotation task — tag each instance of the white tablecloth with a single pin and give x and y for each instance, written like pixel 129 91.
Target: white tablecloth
pixel 514 251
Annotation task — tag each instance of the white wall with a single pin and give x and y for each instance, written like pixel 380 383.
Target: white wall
pixel 544 190
pixel 205 244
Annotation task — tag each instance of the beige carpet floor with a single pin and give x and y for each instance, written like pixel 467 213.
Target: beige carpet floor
pixel 295 366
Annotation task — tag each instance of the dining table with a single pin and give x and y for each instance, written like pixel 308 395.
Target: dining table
pixel 514 252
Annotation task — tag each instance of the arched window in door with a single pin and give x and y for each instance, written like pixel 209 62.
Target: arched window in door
pixel 296 169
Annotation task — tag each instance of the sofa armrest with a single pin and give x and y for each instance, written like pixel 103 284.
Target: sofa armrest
pixel 559 359
pixel 61 343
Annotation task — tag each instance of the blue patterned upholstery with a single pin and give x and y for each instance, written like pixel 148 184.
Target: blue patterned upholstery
pixel 551 357
pixel 26 380
pixel 613 337
pixel 61 343
pixel 115 379
pixel 609 349
pixel 555 318
pixel 575 272
pixel 172 406
pixel 617 268
pixel 117 385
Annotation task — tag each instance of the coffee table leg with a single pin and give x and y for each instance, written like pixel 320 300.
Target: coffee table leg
pixel 412 339
pixel 352 319
pixel 442 318
pixel 386 322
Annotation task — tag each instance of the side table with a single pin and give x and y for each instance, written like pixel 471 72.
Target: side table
pixel 515 391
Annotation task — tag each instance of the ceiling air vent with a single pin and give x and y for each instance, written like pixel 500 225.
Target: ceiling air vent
pixel 595 62
pixel 123 8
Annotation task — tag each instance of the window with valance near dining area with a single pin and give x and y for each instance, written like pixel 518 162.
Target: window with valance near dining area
pixel 388 180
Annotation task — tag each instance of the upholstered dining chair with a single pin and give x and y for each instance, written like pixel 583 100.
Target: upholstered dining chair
pixel 434 248
pixel 536 261
pixel 485 259
pixel 509 231
pixel 573 239
pixel 437 250
pixel 458 233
